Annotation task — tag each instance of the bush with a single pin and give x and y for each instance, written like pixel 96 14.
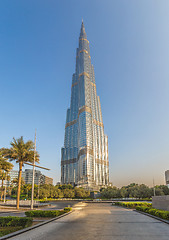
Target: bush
pixel 67 209
pixel 41 213
pixel 143 209
pixel 7 230
pixel 15 221
pixel 47 213
pixel 153 211
pixel 133 204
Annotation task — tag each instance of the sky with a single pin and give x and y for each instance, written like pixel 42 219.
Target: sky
pixel 129 48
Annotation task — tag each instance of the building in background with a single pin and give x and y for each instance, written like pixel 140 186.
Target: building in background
pixel 167 178
pixel 13 174
pixel 39 177
pixel 46 180
pixel 27 176
pixel 84 157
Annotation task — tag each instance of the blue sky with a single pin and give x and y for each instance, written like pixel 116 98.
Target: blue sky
pixel 130 52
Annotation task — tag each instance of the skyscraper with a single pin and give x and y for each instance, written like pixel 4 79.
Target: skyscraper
pixel 84 157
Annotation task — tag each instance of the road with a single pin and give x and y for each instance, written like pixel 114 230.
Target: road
pixel 100 221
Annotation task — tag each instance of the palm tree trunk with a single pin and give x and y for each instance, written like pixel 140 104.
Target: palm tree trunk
pixel 5 187
pixel 19 185
pixel 2 186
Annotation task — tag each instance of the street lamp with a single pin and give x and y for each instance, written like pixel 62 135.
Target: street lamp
pixel 33 173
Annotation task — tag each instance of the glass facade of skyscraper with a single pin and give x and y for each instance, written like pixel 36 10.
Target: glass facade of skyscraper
pixel 84 157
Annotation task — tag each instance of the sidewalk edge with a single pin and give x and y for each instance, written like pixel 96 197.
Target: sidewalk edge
pixel 10 235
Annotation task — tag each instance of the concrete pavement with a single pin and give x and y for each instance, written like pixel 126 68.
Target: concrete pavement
pixel 91 221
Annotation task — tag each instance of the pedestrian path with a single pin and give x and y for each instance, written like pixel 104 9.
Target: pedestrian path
pixel 100 221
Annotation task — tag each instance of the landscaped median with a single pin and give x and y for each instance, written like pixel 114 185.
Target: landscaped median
pixel 133 204
pixel 47 213
pixel 12 224
pixel 145 207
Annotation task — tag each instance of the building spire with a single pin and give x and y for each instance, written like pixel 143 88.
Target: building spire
pixel 82 32
pixel 84 157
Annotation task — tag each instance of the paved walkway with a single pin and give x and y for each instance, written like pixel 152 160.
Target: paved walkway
pixel 102 222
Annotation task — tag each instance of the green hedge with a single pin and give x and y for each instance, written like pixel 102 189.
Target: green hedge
pixel 153 211
pixel 15 221
pixel 47 213
pixel 133 204
pixel 67 209
pixel 7 230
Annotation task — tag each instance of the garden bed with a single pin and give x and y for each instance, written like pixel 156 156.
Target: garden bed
pixel 133 204
pixel 47 214
pixel 12 224
pixel 7 230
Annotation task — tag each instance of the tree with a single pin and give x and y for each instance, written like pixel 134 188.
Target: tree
pixel 69 193
pixel 5 167
pixel 162 188
pixel 110 192
pixel 15 181
pixel 81 193
pixel 2 178
pixel 123 192
pixel 21 152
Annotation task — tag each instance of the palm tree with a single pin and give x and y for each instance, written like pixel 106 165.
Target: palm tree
pixel 15 181
pixel 2 178
pixel 1 159
pixel 22 152
pixel 5 167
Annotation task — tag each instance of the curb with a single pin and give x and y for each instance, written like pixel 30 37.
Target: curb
pixel 152 216
pixel 98 201
pixel 10 235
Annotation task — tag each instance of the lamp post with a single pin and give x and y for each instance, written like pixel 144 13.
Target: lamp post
pixel 33 173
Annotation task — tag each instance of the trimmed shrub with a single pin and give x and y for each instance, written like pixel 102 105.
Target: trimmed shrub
pixel 15 221
pixel 153 211
pixel 67 209
pixel 41 213
pixel 133 204
pixel 47 213
pixel 7 230
pixel 162 214
pixel 143 209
